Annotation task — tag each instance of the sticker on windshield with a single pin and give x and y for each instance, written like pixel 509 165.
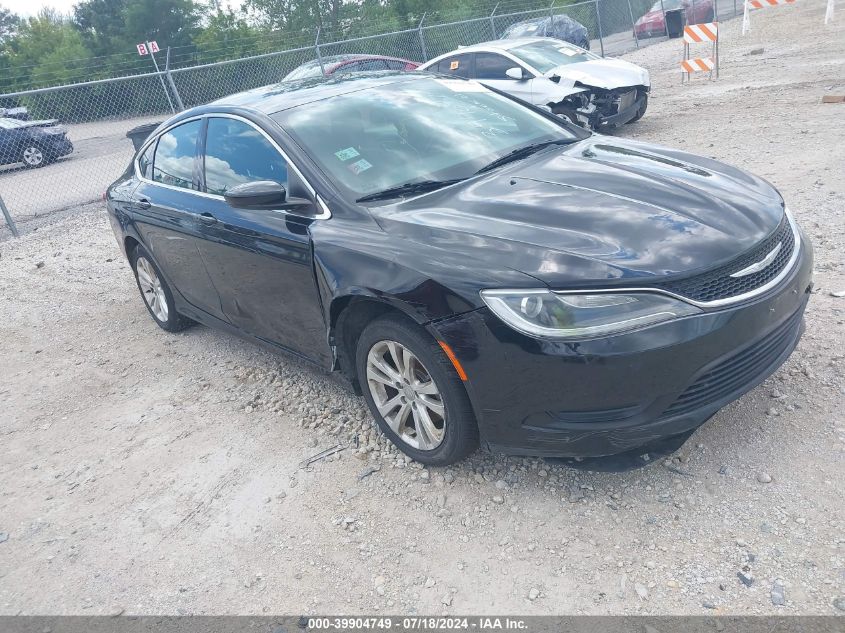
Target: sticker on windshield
pixel 567 51
pixel 461 85
pixel 358 166
pixel 346 154
pixel 454 65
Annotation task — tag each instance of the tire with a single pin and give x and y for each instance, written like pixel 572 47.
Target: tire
pixel 155 293
pixel 641 111
pixel 444 439
pixel 33 156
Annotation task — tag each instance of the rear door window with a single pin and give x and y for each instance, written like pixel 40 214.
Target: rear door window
pixel 174 155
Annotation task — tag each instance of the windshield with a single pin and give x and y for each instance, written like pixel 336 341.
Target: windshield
pixel 544 56
pixel 408 131
pixel 10 124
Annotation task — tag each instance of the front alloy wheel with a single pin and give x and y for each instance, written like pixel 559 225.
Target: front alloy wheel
pixel 414 392
pixel 406 396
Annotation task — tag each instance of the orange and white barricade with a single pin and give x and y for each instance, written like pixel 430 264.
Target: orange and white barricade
pixel 752 5
pixel 700 34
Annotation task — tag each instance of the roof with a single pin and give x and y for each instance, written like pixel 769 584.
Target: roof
pixel 290 94
pixel 330 60
pixel 349 57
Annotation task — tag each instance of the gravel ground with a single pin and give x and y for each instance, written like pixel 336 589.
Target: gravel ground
pixel 143 472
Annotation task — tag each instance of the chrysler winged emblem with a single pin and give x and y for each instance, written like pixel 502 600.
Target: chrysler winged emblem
pixel 758 266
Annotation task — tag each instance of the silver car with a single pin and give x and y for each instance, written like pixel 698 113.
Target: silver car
pixel 592 91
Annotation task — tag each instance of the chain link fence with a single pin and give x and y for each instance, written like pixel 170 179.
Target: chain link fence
pixel 74 143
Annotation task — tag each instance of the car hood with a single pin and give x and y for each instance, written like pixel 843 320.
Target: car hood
pixel 603 73
pixel 599 211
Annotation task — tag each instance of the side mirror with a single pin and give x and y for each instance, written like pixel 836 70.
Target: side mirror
pixel 267 195
pixel 514 73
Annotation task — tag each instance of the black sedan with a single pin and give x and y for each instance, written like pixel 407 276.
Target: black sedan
pixel 482 271
pixel 33 143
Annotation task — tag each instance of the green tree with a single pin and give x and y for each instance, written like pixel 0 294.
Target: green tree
pixel 168 22
pixel 102 25
pixel 46 50
pixel 8 25
pixel 227 34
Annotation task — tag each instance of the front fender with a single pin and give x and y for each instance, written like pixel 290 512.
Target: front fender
pixel 556 94
pixel 366 271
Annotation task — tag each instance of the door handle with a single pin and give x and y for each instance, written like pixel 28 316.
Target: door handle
pixel 207 218
pixel 143 203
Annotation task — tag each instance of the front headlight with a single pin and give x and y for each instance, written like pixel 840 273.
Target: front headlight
pixel 545 314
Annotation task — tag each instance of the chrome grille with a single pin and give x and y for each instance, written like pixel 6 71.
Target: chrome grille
pixel 719 284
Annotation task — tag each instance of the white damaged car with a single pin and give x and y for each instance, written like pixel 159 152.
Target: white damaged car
pixel 590 90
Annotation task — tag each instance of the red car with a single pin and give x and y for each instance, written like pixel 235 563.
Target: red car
pixel 653 24
pixel 337 64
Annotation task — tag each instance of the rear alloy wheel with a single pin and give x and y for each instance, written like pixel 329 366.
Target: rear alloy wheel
pixel 156 293
pixel 33 156
pixel 414 392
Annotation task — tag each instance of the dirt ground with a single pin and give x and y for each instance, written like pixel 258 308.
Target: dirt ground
pixel 149 473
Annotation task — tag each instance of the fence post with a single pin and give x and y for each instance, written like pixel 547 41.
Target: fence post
pixel 161 79
pixel 663 11
pixel 493 21
pixel 598 24
pixel 9 219
pixel 317 48
pixel 633 26
pixel 171 82
pixel 422 38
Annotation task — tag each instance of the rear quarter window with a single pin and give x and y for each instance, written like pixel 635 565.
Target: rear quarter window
pixel 145 161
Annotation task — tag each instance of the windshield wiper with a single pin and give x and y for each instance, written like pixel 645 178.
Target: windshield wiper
pixel 420 186
pixel 522 152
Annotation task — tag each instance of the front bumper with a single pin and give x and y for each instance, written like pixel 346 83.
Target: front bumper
pixel 60 147
pixel 623 116
pixel 612 395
